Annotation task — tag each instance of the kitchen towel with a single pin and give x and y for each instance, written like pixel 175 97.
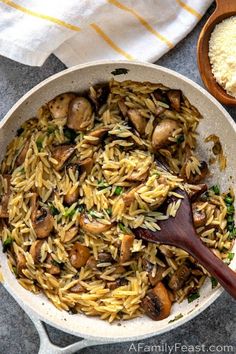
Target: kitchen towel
pixel 77 31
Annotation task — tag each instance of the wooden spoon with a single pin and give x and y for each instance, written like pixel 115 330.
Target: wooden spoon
pixel 180 232
pixel 224 9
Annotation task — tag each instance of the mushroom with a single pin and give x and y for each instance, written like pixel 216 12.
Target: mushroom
pixel 148 266
pixel 129 197
pixel 59 106
pixel 61 154
pixel 105 257
pixel 52 267
pixel 91 263
pixel 70 234
pixel 99 134
pixel 94 227
pixel 77 288
pixel 99 95
pixel 162 132
pixel 160 95
pixel 125 251
pixel 198 190
pixel 199 216
pixel 42 220
pixel 20 264
pixel 137 177
pixel 179 278
pixel 5 198
pixel 22 155
pixel 117 283
pixel 35 250
pixel 79 254
pixel 71 196
pixel 175 99
pixel 157 303
pixel 86 165
pixel 80 115
pixel 137 120
pixel 195 178
pixel 123 108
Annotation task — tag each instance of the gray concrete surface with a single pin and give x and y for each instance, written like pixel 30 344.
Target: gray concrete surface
pixel 215 326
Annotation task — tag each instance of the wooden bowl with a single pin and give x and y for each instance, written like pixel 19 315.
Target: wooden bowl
pixel 224 9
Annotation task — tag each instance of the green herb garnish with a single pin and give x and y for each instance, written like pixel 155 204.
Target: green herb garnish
pixel 51 129
pixel 214 282
pixel 232 234
pixel 230 256
pixel 118 190
pixel 95 214
pixel 215 189
pixel 39 143
pixel 7 244
pixel 180 139
pixel 228 199
pixel 193 297
pixel 177 317
pixel 102 184
pixel 80 208
pixel 109 211
pixel 54 211
pixel 120 71
pixel 69 213
pixel 70 134
pixel 122 227
pixel 15 271
pixel 230 209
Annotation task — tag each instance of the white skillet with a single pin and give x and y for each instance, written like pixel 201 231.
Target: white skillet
pixel 216 120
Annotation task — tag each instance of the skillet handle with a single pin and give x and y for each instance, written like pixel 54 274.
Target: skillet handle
pixel 47 347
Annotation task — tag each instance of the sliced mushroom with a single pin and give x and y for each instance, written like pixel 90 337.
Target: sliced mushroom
pixel 61 154
pixel 179 278
pixel 105 257
pixel 129 197
pixel 123 108
pixel 35 250
pixel 157 276
pixel 117 283
pixel 20 264
pixel 52 267
pixel 72 196
pixel 22 155
pixel 5 198
pixel 70 234
pixel 86 165
pixel 197 191
pixel 125 251
pixel 199 216
pixel 77 289
pixel 42 220
pixel 99 95
pixel 59 106
pixel 175 99
pixel 80 115
pixel 157 303
pixel 91 263
pixel 163 132
pixel 99 133
pixel 160 95
pixel 79 255
pixel 94 226
pixel 137 120
pixel 195 178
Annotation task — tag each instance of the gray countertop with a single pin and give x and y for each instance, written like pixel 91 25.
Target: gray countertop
pixel 215 326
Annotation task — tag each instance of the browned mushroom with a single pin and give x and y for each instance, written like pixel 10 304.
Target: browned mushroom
pixel 198 190
pixel 175 99
pixel 99 134
pixel 52 267
pixel 129 197
pixel 22 155
pixel 123 108
pixel 77 288
pixel 125 251
pixel 42 220
pixel 105 257
pixel 157 303
pixel 60 104
pixel 179 278
pixel 20 264
pixel 94 226
pixel 80 115
pixel 72 196
pixel 199 215
pixel 86 165
pixel 91 263
pixel 157 276
pixel 5 198
pixel 117 283
pixel 163 132
pixel 137 120
pixel 195 178
pixel 79 255
pixel 70 234
pixel 61 154
pixel 35 250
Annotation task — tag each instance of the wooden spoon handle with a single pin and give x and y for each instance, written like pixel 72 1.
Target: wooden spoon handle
pixel 224 6
pixel 215 266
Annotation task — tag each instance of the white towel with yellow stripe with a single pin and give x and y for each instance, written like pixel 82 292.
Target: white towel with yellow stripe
pixel 77 31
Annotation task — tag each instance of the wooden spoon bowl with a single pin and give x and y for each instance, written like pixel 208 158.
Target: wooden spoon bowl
pixel 224 9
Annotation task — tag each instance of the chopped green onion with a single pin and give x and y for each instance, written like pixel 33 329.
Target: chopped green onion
pixel 232 234
pixel 109 211
pixel 230 256
pixel 214 282
pixel 39 144
pixel 122 227
pixel 118 190
pixel 7 244
pixel 95 214
pixel 193 297
pixel 228 199
pixel 215 189
pixel 54 211
pixel 180 139
pixel 69 213
pixel 102 185
pixel 70 134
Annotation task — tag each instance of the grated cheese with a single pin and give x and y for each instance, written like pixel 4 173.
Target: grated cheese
pixel 222 54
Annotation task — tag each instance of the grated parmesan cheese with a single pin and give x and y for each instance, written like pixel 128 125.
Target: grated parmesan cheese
pixel 222 54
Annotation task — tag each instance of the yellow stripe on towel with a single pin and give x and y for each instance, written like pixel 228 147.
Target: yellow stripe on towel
pixel 189 9
pixel 142 21
pixel 42 16
pixel 110 42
